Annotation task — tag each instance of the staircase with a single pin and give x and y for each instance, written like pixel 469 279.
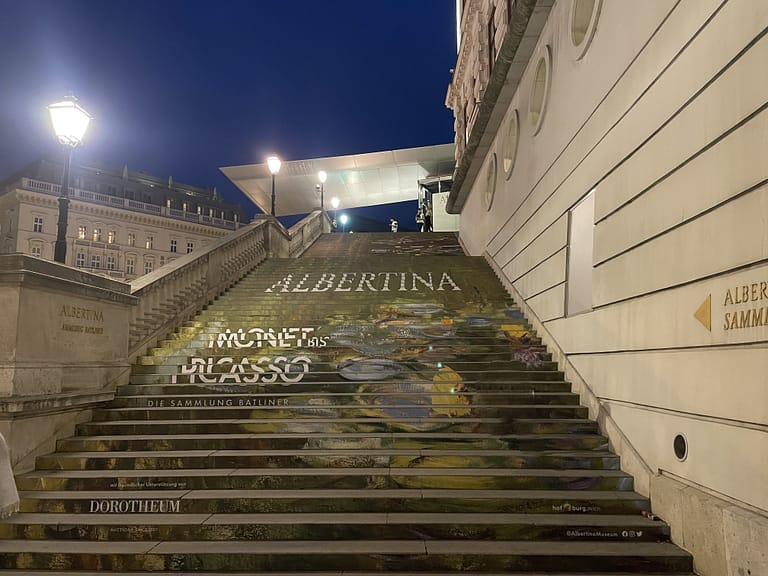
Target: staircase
pixel 377 406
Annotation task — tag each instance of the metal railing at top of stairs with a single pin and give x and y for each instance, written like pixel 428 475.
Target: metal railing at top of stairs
pixel 177 291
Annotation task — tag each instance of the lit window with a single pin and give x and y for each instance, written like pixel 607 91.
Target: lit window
pixel 111 236
pixel 173 245
pixel 199 209
pixel 110 262
pixel 131 239
pixel 38 224
pixel 37 250
pixel 190 247
pixel 185 206
pixel 130 265
pixel 168 203
pixel 149 243
pixel 81 232
pixel 80 260
pixel 148 266
pixel 97 234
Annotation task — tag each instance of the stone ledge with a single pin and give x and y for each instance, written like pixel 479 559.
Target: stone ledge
pixel 25 406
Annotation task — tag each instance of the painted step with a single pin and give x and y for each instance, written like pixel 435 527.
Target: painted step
pixel 395 424
pixel 350 458
pixel 300 478
pixel 411 556
pixel 174 376
pixel 195 409
pixel 345 573
pixel 347 387
pixel 333 526
pixel 568 502
pixel 446 397
pixel 296 441
pixel 319 366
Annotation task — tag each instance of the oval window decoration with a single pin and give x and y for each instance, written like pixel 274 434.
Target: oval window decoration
pixel 584 15
pixel 509 145
pixel 540 91
pixel 490 183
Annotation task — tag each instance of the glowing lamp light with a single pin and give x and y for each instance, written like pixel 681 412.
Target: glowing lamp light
pixel 70 121
pixel 343 219
pixel 273 162
pixel 322 176
pixel 335 202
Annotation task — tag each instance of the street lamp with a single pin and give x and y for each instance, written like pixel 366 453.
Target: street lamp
pixel 322 176
pixel 343 222
pixel 273 162
pixel 70 122
pixel 335 204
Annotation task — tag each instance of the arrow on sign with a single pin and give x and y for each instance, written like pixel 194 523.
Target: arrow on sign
pixel 704 313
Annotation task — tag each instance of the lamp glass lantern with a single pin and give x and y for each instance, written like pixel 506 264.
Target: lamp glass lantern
pixel 273 162
pixel 70 121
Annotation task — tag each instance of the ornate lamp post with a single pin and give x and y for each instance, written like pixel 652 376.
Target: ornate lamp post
pixel 273 162
pixel 322 176
pixel 70 121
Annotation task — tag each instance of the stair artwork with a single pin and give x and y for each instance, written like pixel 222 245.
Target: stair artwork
pixel 379 405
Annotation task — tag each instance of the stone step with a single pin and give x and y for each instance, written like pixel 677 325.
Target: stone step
pixel 321 425
pixel 125 502
pixel 319 366
pixel 178 352
pixel 160 442
pixel 340 387
pixel 300 401
pixel 344 573
pixel 364 374
pixel 329 457
pixel 194 409
pixel 413 556
pixel 333 526
pixel 301 478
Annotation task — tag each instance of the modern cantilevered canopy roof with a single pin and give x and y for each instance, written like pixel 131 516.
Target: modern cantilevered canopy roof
pixel 356 180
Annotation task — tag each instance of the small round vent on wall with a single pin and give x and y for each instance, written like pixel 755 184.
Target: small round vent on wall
pixel 680 447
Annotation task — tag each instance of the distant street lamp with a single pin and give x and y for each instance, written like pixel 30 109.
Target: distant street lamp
pixel 273 162
pixel 70 121
pixel 322 176
pixel 335 204
pixel 343 222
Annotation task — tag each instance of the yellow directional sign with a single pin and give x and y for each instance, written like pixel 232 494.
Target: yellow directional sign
pixel 704 313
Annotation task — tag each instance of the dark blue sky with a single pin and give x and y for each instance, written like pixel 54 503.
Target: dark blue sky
pixel 182 87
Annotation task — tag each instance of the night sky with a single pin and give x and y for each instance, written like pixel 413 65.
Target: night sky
pixel 181 87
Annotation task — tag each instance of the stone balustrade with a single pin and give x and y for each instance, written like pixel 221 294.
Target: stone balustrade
pixel 69 337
